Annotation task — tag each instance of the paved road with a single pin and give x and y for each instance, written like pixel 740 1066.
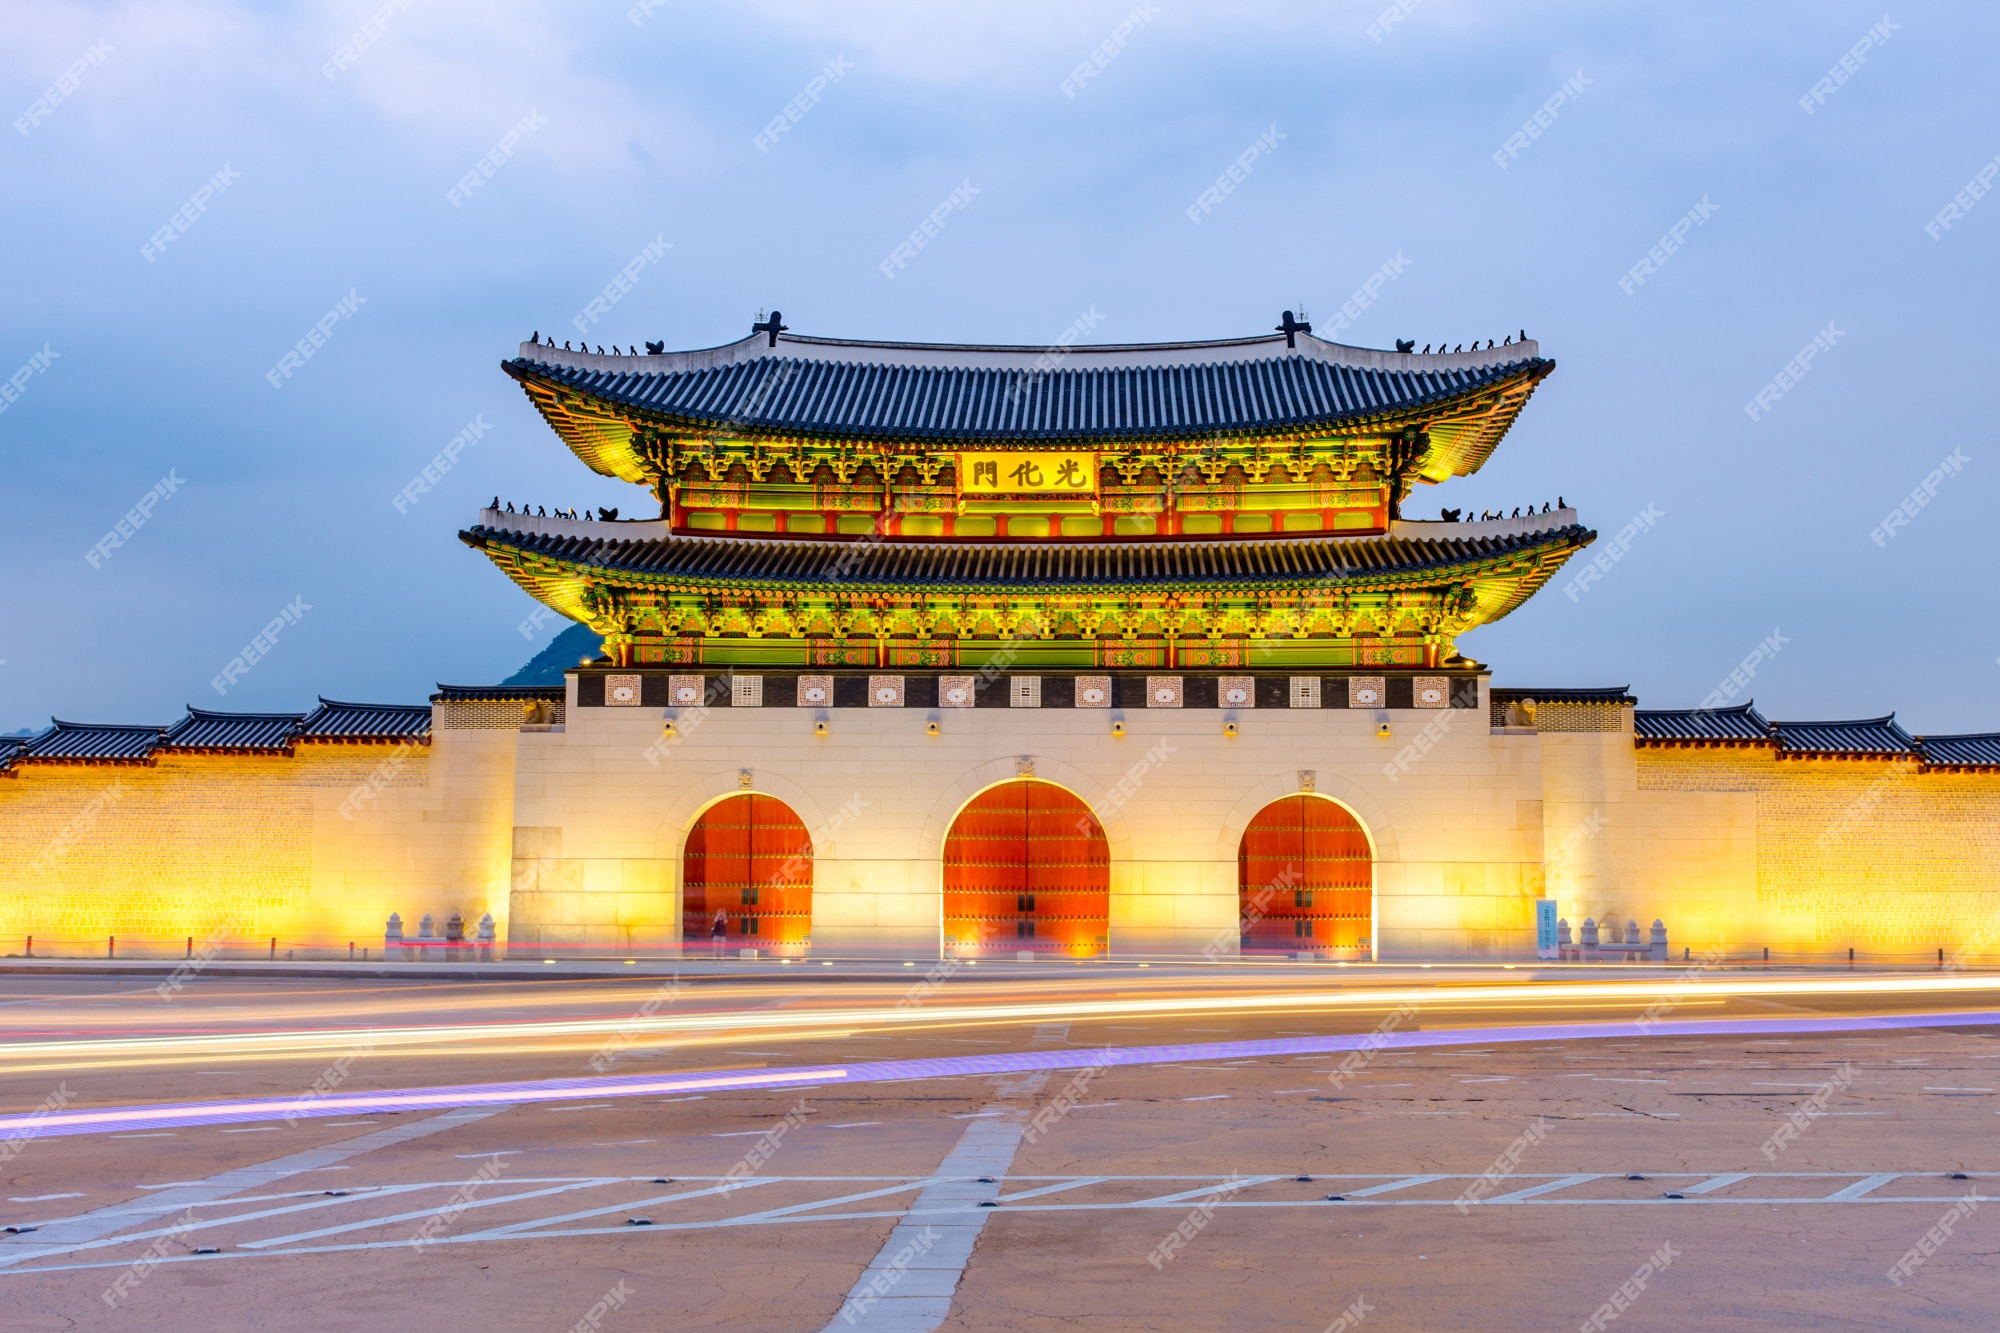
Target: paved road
pixel 1482 1186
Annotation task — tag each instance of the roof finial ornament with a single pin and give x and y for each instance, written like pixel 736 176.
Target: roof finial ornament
pixel 1524 335
pixel 1406 344
pixel 1291 328
pixel 771 327
pixel 656 348
pixel 536 337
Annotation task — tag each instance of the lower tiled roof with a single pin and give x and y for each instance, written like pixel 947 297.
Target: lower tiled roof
pixel 501 693
pixel 1870 736
pixel 1742 725
pixel 1980 751
pixel 805 564
pixel 91 743
pixel 336 721
pixel 265 733
pixel 1565 694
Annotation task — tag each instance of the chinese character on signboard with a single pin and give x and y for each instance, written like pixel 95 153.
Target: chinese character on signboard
pixel 1023 473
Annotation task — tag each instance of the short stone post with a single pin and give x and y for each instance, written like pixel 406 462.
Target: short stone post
pixel 1631 940
pixel 1563 943
pixel 1659 949
pixel 392 937
pixel 454 935
pixel 1589 946
pixel 426 937
pixel 486 938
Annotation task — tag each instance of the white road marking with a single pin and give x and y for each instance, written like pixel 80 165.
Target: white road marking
pixel 82 1231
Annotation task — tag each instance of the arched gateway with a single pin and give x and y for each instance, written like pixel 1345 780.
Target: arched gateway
pixel 749 860
pixel 1026 867
pixel 1305 879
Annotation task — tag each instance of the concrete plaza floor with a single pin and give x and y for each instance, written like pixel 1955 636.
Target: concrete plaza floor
pixel 1483 1187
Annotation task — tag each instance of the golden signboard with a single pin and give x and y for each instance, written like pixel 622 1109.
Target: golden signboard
pixel 1020 472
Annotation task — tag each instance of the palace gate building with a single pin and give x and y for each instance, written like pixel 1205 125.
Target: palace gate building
pixel 992 651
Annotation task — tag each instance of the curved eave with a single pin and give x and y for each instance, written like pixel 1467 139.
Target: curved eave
pixel 595 413
pixel 1504 572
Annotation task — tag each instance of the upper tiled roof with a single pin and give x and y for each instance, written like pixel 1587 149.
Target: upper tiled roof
pixel 268 733
pixel 502 693
pixel 334 721
pixel 1871 736
pixel 91 743
pixel 1742 725
pixel 11 746
pixel 1980 751
pixel 1565 694
pixel 808 564
pixel 840 389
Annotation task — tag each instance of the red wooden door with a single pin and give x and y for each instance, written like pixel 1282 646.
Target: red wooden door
pixel 750 858
pixel 1026 867
pixel 1305 878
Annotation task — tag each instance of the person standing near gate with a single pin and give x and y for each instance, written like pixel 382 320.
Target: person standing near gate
pixel 718 931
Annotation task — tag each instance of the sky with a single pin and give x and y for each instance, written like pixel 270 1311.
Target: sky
pixel 420 185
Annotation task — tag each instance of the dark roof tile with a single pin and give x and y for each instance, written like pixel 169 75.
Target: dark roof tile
pixel 1980 751
pixel 1869 736
pixel 1742 725
pixel 91 743
pixel 265 733
pixel 335 721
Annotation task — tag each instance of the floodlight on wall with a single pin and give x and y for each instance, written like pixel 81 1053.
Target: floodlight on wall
pixel 667 728
pixel 1382 730
pixel 1118 728
pixel 930 728
pixel 1229 728
pixel 819 728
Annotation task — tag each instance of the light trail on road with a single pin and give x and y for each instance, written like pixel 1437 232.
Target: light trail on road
pixel 940 1010
pixel 59 1123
